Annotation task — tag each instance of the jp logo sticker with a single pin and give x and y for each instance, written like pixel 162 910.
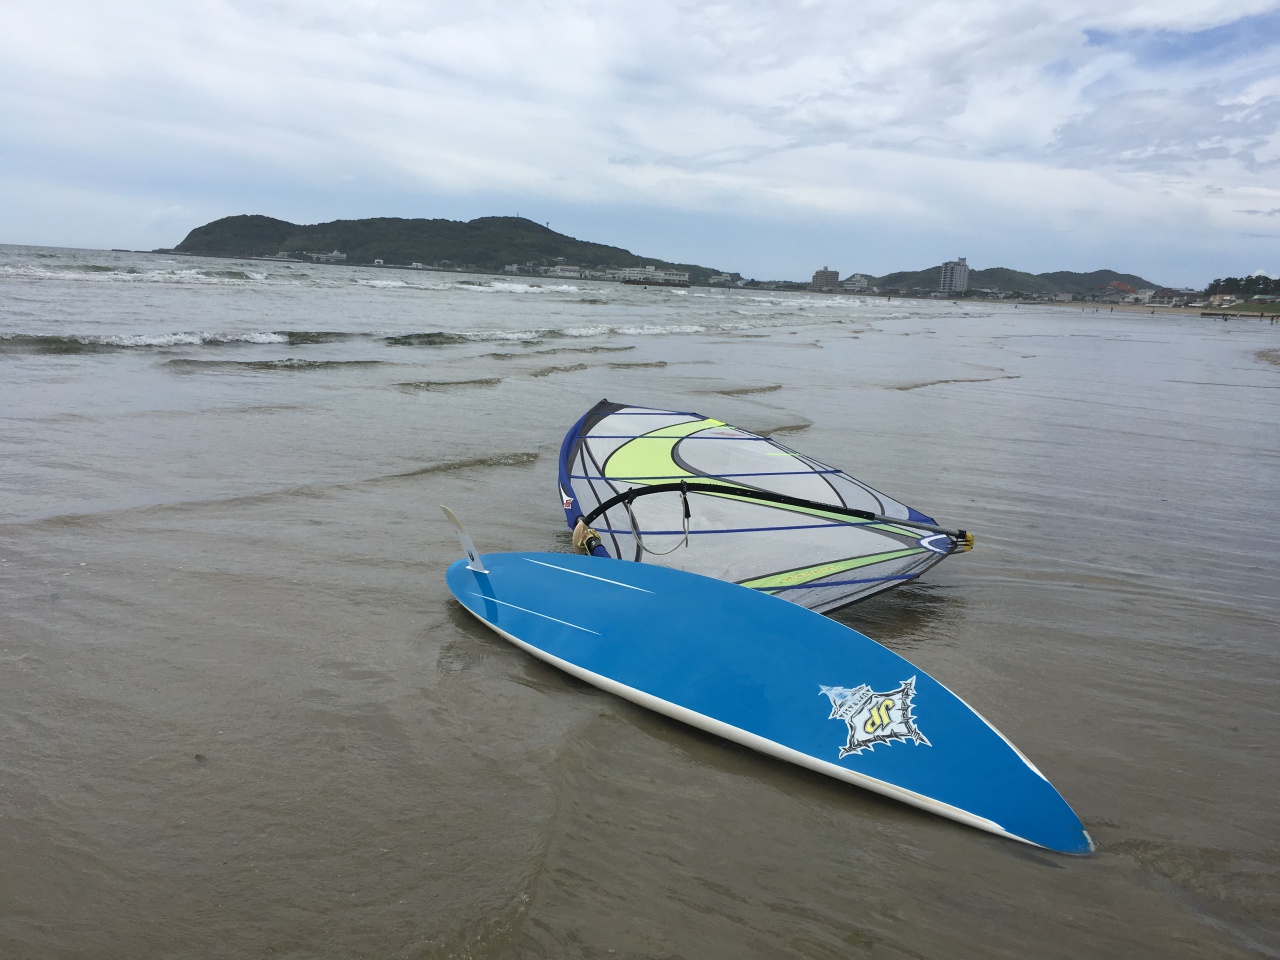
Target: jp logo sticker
pixel 874 717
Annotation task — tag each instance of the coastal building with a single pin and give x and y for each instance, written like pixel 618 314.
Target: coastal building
pixel 334 257
pixel 1168 297
pixel 650 274
pixel 720 279
pixel 955 277
pixel 856 283
pixel 825 280
pixel 565 270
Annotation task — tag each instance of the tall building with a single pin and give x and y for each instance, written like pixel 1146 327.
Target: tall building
pixel 825 280
pixel 955 276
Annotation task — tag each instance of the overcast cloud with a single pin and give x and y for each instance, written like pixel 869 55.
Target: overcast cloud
pixel 770 138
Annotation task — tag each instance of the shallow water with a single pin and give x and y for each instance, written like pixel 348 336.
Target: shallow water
pixel 242 716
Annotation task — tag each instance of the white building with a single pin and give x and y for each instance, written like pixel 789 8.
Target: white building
pixel 1166 297
pixel 650 274
pixel 856 283
pixel 955 276
pixel 825 280
pixel 565 270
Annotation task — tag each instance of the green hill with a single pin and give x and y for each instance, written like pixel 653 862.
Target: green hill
pixel 487 243
pixel 1015 281
pixel 491 243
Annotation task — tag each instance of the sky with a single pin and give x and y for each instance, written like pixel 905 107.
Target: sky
pixel 768 138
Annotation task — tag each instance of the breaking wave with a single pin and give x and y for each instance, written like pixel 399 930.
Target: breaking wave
pixel 442 338
pixel 129 274
pixel 657 331
pixel 510 286
pixel 87 343
pixel 302 337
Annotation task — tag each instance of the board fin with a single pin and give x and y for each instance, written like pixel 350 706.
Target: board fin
pixel 468 546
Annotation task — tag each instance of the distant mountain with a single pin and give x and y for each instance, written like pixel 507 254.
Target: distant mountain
pixel 487 243
pixel 491 243
pixel 1015 281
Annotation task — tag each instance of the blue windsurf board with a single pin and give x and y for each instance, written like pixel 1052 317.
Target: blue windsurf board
pixel 771 675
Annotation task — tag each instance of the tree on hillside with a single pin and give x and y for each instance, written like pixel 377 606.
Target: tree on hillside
pixel 1244 287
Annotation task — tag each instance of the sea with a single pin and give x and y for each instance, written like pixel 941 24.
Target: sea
pixel 241 716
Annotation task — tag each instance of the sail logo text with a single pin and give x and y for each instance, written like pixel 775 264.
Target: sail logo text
pixel 873 717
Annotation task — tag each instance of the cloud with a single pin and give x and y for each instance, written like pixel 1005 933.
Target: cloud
pixel 1161 129
pixel 1169 46
pixel 957 115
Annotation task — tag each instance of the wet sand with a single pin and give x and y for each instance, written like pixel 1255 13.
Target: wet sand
pixel 243 717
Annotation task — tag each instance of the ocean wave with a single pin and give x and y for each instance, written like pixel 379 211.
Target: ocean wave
pixel 100 272
pixel 599 349
pixel 232 275
pixel 510 286
pixel 88 343
pixel 654 331
pixel 303 337
pixel 550 350
pixel 936 383
pixel 747 391
pixel 547 371
pixel 289 363
pixel 421 385
pixel 739 325
pixel 437 338
pixel 381 284
pixel 443 338
pixel 477 463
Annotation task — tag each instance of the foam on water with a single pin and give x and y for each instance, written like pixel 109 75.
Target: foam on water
pixel 652 330
pixel 99 273
pixel 508 286
pixel 123 341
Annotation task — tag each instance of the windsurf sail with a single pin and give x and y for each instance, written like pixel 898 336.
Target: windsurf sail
pixel 698 494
